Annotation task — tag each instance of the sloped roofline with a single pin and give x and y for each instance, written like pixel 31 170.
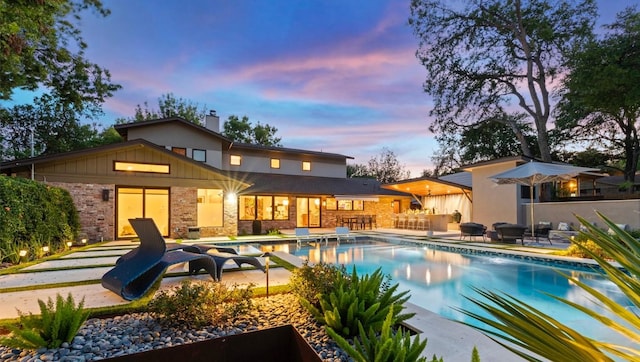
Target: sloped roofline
pixel 123 129
pixel 110 147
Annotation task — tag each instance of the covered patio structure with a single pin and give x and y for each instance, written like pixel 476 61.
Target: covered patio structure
pixel 439 197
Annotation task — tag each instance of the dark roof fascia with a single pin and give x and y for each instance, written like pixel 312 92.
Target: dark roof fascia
pixel 123 128
pixel 281 184
pixel 432 179
pixel 248 146
pixel 499 160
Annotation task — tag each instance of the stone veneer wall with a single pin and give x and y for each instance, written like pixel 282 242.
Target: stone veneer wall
pixel 184 214
pixel 97 217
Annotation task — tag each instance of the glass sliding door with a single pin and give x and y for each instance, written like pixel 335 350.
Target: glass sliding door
pixel 136 202
pixel 308 212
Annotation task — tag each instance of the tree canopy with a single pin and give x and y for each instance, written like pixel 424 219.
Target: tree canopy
pixel 169 106
pixel 385 168
pixel 490 58
pixel 48 126
pixel 242 130
pixel 601 99
pixel 41 48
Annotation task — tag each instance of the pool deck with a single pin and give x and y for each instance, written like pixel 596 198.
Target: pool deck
pixel 446 338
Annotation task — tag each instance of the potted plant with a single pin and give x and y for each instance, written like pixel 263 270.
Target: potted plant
pixel 457 216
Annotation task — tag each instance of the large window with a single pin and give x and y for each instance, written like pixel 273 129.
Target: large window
pixel 348 205
pixel 263 208
pixel 306 166
pixel 210 207
pixel 140 167
pixel 275 163
pixel 136 202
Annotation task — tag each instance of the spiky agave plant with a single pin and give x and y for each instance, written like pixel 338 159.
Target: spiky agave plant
pixel 531 334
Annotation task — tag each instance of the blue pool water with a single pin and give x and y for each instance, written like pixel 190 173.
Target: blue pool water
pixel 438 279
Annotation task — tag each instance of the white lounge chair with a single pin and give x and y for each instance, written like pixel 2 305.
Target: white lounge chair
pixel 303 235
pixel 342 233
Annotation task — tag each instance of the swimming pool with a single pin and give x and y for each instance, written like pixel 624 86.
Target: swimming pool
pixel 437 279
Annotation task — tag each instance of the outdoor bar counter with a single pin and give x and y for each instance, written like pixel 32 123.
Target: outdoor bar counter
pixel 438 222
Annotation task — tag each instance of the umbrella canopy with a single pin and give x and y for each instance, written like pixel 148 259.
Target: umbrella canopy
pixel 534 173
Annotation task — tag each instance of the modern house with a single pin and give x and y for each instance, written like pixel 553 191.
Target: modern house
pixel 189 177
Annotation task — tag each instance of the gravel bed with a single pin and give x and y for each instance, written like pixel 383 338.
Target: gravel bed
pixel 110 337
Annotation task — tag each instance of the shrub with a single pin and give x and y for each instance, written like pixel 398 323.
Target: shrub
pixel 35 214
pixel 354 300
pixel 55 325
pixel 200 303
pixel 309 282
pixel 579 246
pixel 384 345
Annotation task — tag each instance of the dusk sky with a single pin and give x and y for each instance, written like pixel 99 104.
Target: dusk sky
pixel 335 75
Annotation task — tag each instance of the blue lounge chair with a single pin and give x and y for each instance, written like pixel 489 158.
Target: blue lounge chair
pixel 136 271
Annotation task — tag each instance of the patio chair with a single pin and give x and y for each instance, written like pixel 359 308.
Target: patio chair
pixel 342 233
pixel 135 272
pixel 472 229
pixel 542 229
pixel 510 233
pixel 302 234
pixel 220 258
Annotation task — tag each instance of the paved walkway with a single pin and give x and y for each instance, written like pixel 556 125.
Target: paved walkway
pixel 445 338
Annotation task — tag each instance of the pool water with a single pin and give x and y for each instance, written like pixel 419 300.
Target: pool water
pixel 438 279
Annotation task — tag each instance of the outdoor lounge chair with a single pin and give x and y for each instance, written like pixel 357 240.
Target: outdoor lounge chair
pixel 220 258
pixel 302 234
pixel 342 233
pixel 510 233
pixel 472 229
pixel 135 272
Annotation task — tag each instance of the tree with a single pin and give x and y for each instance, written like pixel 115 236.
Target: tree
pixel 601 100
pixel 478 142
pixel 386 168
pixel 36 38
pixel 241 130
pixel 50 125
pixel 358 170
pixel 589 157
pixel 168 106
pixel 482 57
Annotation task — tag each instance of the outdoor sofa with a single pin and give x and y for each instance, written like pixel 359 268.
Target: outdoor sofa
pixel 472 229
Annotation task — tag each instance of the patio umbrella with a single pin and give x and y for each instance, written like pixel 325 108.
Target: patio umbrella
pixel 534 173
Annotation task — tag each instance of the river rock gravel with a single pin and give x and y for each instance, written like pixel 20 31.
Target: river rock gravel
pixel 101 338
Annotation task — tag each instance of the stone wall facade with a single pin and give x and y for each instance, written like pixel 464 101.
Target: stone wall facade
pixel 97 216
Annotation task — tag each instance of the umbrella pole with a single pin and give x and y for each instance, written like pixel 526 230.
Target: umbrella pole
pixel 531 195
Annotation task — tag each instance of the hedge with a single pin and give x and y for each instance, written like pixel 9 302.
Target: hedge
pixel 34 215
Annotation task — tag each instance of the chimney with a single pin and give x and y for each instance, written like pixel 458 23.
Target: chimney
pixel 212 121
